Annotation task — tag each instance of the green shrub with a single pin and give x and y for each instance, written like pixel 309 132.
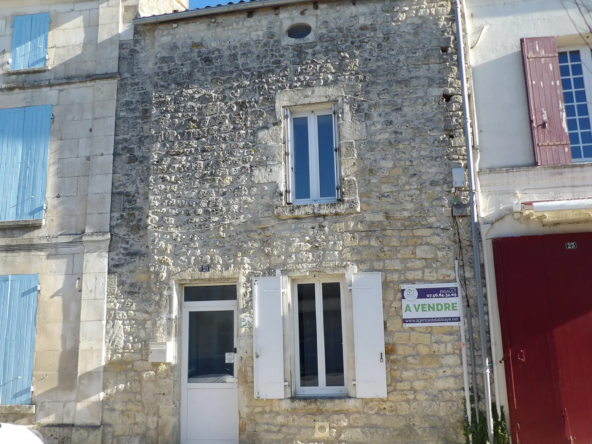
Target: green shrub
pixel 478 430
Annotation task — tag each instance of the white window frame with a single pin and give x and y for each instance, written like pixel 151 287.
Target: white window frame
pixel 313 154
pixel 586 58
pixel 322 390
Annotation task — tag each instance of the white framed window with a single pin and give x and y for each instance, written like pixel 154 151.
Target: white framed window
pixel 312 160
pixel 576 80
pixel 319 338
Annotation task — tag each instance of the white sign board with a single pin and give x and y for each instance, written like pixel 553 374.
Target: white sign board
pixel 430 305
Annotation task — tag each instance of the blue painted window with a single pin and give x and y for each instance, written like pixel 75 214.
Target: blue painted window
pixel 18 312
pixel 29 41
pixel 24 146
pixel 314 177
pixel 576 105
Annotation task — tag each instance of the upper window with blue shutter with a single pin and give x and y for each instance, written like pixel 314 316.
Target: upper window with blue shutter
pixel 24 147
pixel 29 41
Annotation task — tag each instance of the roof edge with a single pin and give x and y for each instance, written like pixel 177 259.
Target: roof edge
pixel 205 12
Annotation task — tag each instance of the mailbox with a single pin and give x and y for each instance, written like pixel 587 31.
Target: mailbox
pixel 161 352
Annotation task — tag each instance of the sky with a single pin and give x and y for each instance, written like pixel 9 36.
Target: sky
pixel 203 3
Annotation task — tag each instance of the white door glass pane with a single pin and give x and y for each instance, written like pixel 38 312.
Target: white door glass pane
pixel 333 335
pixel 301 158
pixel 211 337
pixel 206 293
pixel 307 336
pixel 326 156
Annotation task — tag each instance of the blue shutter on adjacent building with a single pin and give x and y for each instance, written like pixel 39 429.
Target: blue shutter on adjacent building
pixel 24 147
pixel 18 312
pixel 29 41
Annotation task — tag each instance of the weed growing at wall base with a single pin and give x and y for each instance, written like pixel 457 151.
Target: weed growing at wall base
pixel 476 433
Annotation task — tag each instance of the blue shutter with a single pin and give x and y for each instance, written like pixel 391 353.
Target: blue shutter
pixel 24 147
pixel 18 312
pixel 33 168
pixel 11 143
pixel 29 41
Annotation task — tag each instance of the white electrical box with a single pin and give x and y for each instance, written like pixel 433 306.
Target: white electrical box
pixel 459 179
pixel 161 352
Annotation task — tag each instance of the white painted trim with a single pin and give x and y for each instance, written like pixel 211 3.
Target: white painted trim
pixel 189 307
pixel 313 155
pixel 322 390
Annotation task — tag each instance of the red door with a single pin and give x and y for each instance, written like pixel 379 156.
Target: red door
pixel 544 288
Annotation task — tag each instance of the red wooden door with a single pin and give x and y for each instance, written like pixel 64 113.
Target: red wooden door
pixel 545 297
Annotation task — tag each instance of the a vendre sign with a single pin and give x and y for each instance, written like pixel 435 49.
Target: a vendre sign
pixel 429 305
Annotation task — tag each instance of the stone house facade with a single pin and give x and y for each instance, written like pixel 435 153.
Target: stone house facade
pixel 220 232
pixel 58 82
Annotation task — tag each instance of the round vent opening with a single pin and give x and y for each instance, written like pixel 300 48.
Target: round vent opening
pixel 299 31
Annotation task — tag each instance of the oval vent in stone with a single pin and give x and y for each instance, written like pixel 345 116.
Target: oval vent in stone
pixel 299 31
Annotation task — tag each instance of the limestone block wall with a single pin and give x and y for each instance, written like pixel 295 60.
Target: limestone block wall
pixel 82 41
pixel 66 252
pixel 198 176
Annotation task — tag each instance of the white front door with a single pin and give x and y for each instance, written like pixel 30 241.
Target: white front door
pixel 209 394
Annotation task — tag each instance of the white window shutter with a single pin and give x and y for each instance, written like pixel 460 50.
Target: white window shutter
pixel 288 154
pixel 369 335
pixel 336 152
pixel 268 338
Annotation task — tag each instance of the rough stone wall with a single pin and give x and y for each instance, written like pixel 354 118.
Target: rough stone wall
pixel 197 180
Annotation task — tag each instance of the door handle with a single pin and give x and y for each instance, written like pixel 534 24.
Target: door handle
pixel 521 356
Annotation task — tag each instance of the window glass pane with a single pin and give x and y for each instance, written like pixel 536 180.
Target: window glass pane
pixel 326 156
pixel 333 334
pixel 564 70
pixel 574 138
pixel 566 83
pixel 211 336
pixel 588 151
pixel 574 93
pixel 210 293
pixel 301 158
pixel 307 336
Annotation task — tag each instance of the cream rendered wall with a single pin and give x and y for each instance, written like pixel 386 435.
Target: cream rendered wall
pixel 505 159
pixel 495 30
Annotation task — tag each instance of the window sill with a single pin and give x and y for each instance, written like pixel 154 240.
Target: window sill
pixel 17 72
pixel 30 223
pixel 17 409
pixel 324 404
pixel 346 206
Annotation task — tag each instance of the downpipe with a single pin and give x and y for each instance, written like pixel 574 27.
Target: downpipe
pixel 463 341
pixel 474 225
